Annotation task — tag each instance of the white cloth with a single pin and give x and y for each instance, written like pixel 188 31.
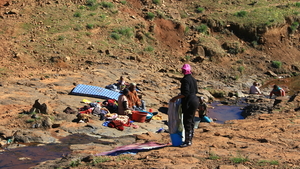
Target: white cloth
pixel 254 90
pixel 175 123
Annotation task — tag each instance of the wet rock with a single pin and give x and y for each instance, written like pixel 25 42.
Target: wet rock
pixel 270 73
pixel 29 136
pixel 47 123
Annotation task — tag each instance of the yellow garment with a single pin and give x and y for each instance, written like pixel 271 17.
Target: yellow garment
pixel 157 117
pixel 86 101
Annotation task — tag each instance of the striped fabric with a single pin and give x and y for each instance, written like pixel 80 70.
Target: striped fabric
pixel 95 91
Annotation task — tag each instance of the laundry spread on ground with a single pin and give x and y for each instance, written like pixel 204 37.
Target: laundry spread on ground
pixel 133 148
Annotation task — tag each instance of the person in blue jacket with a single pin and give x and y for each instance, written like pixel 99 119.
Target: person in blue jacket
pixel 189 103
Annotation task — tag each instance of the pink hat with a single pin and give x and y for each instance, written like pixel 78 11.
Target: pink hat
pixel 186 69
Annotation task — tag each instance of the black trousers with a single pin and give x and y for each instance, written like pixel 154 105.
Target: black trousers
pixel 189 107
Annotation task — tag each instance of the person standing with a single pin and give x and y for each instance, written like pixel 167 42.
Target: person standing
pixel 189 103
pixel 254 89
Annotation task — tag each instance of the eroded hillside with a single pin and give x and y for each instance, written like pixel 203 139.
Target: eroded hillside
pixel 227 40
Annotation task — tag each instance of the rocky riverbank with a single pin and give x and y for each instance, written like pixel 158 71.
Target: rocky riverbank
pixel 268 137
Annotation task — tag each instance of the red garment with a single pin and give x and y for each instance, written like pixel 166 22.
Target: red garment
pixel 88 111
pixel 116 124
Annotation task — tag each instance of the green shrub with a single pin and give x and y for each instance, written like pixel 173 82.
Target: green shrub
pixel 297 4
pixel 100 159
pixel 241 69
pixel 92 14
pixel 91 2
pixel 187 58
pixel 75 163
pixel 241 14
pixel 124 157
pixel 200 10
pixel 202 28
pixel 107 4
pixel 90 26
pixel 123 2
pixel 266 162
pixel 213 156
pixel 276 64
pixel 29 120
pixel 81 7
pixel 115 36
pixel 156 2
pixel 77 14
pixel 239 160
pixel 149 49
pixel 128 32
pixel 78 27
pixel 186 30
pixel 61 37
pixel 294 26
pixel 150 16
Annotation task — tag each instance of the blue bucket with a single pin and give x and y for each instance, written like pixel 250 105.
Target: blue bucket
pixel 206 119
pixel 176 139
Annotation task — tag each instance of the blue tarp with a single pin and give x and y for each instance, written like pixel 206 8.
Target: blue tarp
pixel 95 91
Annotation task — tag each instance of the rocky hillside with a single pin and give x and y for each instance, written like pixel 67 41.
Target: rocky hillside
pixel 47 47
pixel 226 40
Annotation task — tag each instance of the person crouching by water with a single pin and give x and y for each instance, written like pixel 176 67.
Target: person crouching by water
pixel 189 103
pixel 254 89
pixel 277 91
pixel 123 108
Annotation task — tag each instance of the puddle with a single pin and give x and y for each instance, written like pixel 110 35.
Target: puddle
pixel 33 154
pixel 226 112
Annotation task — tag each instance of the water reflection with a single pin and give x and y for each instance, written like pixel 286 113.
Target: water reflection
pixel 33 154
pixel 226 112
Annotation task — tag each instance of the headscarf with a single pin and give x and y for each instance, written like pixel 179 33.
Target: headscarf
pixel 186 69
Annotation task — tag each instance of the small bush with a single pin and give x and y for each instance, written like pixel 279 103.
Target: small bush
pixel 294 26
pixel 91 2
pixel 123 2
pixel 149 49
pixel 77 14
pixel 100 159
pixel 297 4
pixel 124 157
pixel 202 28
pixel 241 14
pixel 128 32
pixel 61 37
pixel 29 120
pixel 276 64
pixel 186 30
pixel 150 16
pixel 241 69
pixel 213 156
pixel 266 162
pixel 75 163
pixel 156 2
pixel 81 7
pixel 78 27
pixel 107 4
pixel 239 160
pixel 187 58
pixel 200 10
pixel 92 14
pixel 115 36
pixel 90 26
